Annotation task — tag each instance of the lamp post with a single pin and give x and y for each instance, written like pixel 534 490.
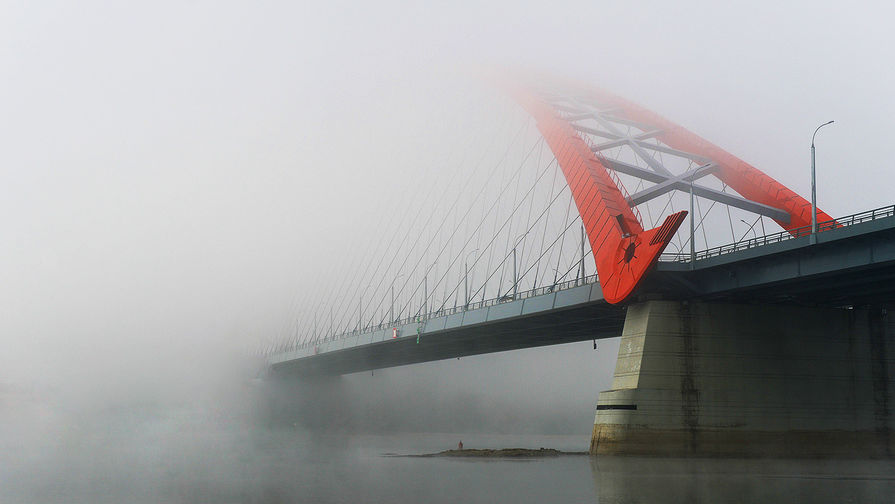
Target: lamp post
pixel 360 309
pixel 392 306
pixel 426 288
pixel 814 188
pixel 582 252
pixel 515 280
pixel 555 278
pixel 692 230
pixel 466 277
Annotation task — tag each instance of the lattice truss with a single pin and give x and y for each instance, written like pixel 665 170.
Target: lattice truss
pixel 657 180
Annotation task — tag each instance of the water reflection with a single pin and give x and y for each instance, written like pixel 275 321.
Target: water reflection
pixel 632 480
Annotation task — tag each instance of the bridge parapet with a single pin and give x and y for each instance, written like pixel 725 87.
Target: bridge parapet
pixel 852 263
pixel 331 342
pixel 801 232
pixel 561 316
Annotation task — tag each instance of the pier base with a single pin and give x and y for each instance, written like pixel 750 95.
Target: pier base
pixel 711 379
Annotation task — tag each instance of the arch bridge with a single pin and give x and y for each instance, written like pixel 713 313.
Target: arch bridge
pixel 779 342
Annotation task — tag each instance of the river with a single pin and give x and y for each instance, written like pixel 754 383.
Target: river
pixel 181 438
pixel 180 459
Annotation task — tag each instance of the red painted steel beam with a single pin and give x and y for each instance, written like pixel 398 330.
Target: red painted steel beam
pixel 750 182
pixel 623 251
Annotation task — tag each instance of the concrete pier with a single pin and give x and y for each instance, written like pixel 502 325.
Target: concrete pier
pixel 711 379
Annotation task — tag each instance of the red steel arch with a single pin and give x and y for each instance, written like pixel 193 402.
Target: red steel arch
pixel 624 251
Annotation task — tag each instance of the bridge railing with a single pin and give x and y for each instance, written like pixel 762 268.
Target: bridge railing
pixel 420 319
pixel 849 220
pixel 870 215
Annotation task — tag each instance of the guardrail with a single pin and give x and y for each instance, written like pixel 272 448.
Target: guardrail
pixel 850 220
pixel 870 215
pixel 506 298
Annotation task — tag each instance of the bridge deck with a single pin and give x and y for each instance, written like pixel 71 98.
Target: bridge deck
pixel 848 265
pixel 853 262
pixel 574 314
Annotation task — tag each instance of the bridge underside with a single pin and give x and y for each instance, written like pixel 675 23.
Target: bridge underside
pixel 593 320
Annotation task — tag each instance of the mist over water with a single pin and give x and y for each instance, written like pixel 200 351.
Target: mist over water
pixel 476 395
pixel 204 427
pixel 181 182
pixel 146 435
pixel 221 434
pixel 224 445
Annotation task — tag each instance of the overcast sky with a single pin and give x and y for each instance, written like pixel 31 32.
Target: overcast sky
pixel 171 172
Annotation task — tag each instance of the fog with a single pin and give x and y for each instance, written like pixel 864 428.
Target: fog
pixel 178 180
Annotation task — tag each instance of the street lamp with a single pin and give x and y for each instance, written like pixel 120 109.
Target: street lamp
pixel 465 278
pixel 515 280
pixel 392 306
pixel 426 288
pixel 582 251
pixel 814 188
pixel 360 309
pixel 692 229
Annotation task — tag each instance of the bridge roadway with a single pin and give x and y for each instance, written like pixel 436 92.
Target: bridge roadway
pixel 851 263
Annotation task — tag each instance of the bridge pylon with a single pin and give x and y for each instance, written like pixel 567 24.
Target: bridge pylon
pixel 721 379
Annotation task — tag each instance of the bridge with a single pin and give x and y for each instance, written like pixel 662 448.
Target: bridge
pixel 777 343
pixel 853 263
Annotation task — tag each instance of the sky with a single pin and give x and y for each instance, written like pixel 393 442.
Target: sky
pixel 173 173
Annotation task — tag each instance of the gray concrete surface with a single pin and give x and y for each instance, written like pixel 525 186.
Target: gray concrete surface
pixel 698 378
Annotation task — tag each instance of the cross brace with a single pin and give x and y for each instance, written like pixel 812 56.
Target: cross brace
pixel 682 182
pixel 663 179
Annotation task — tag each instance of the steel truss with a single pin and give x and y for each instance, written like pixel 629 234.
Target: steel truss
pixel 581 124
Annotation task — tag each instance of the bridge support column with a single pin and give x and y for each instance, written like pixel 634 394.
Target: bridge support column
pixel 695 378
